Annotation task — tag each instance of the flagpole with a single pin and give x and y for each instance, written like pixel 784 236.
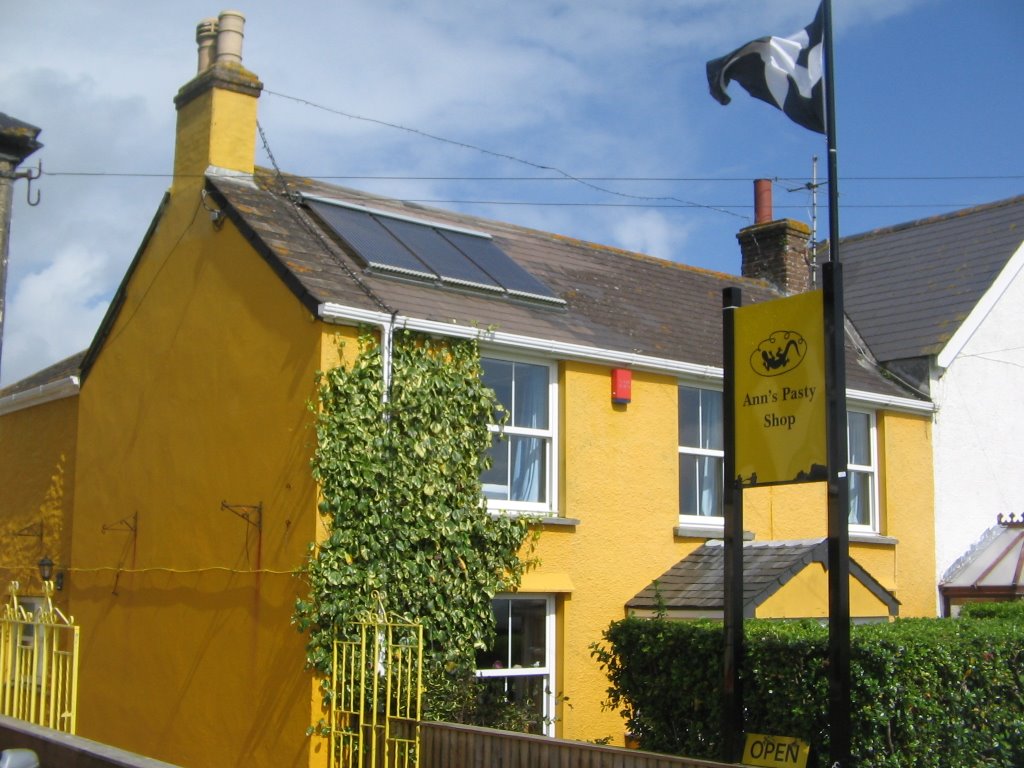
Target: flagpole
pixel 838 483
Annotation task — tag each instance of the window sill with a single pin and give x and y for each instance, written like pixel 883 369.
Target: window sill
pixel 864 537
pixel 534 518
pixel 692 531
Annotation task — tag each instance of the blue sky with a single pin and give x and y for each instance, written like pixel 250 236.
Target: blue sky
pixel 929 109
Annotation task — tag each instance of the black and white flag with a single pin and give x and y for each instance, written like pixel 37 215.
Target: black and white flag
pixel 786 72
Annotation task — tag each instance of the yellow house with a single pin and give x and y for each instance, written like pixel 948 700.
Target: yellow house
pixel 193 500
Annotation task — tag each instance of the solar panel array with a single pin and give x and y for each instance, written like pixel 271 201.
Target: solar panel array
pixel 392 244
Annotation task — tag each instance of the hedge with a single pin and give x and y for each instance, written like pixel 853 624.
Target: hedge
pixel 925 693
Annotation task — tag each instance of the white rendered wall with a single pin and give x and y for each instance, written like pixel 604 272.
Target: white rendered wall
pixel 979 426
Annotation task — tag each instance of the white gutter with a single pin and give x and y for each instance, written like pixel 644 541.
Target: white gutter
pixel 338 313
pixel 44 393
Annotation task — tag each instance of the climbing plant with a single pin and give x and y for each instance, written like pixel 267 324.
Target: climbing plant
pixel 407 531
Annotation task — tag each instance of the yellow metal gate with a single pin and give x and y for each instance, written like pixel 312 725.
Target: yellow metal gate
pixel 376 686
pixel 38 662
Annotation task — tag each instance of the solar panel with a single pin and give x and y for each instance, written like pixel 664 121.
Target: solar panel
pixel 498 265
pixel 377 247
pixel 439 254
pixel 432 251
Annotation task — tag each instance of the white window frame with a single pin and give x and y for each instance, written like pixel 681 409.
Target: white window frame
pixel 550 435
pixel 711 521
pixel 547 671
pixel 870 470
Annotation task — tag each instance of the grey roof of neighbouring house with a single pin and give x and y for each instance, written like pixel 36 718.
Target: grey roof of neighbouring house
pixel 615 300
pixel 696 583
pixel 908 288
pixel 63 369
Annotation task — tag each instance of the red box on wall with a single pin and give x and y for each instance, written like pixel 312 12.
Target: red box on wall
pixel 622 385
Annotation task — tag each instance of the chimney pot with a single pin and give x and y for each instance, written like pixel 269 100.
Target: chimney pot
pixel 230 31
pixel 206 35
pixel 762 201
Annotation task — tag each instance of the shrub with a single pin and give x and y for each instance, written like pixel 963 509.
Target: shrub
pixel 925 693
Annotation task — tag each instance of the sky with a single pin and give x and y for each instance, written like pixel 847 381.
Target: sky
pixel 588 118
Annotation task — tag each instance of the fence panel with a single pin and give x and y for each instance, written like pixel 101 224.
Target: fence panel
pixel 445 745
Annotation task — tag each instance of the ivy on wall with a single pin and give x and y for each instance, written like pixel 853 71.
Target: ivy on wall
pixel 407 531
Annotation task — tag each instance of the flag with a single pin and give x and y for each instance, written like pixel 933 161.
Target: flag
pixel 786 72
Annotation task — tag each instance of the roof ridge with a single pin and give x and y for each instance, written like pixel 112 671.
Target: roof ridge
pixel 957 214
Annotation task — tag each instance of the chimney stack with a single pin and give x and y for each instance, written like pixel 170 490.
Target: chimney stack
pixel 217 107
pixel 775 250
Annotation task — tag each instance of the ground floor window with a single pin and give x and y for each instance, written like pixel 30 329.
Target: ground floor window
pixel 519 667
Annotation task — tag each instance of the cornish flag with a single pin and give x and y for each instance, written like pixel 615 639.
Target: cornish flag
pixel 786 72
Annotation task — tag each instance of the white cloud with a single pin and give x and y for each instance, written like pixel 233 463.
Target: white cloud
pixel 54 312
pixel 649 232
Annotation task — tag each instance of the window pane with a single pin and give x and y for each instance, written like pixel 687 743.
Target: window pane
pixel 531 396
pixel 498 376
pixel 526 631
pixel 709 481
pixel 495 479
pixel 711 420
pixel 496 657
pixel 859 429
pixel 689 417
pixel 687 484
pixel 860 498
pixel 528 464
pixel 526 692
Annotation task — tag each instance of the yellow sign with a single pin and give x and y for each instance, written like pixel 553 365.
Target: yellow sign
pixel 779 365
pixel 775 751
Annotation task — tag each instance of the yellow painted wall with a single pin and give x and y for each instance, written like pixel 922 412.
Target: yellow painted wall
pixel 37 475
pixel 199 397
pixel 805 596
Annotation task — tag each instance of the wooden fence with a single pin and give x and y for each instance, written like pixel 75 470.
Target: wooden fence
pixel 443 745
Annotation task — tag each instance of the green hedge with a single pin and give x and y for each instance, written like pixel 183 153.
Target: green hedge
pixel 926 693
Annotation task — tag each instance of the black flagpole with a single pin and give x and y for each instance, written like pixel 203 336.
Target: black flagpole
pixel 838 483
pixel 732 502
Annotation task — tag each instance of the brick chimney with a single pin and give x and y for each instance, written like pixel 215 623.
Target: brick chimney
pixel 775 250
pixel 217 108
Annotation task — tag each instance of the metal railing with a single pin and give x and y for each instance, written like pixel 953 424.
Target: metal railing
pixel 38 662
pixel 376 691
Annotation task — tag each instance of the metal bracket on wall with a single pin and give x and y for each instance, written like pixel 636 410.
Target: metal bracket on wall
pixel 35 530
pixel 251 513
pixel 129 525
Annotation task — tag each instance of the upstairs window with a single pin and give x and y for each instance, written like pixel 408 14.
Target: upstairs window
pixel 520 477
pixel 701 453
pixel 862 471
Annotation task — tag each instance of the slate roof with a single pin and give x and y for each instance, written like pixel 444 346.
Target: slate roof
pixel 615 300
pixel 64 369
pixel 908 288
pixel 695 583
pixel 18 139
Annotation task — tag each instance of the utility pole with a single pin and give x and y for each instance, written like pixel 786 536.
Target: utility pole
pixel 17 141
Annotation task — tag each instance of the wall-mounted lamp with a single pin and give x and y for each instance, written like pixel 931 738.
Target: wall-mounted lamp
pixel 46 573
pixel 622 385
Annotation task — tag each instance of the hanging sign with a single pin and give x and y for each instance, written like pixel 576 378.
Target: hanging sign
pixel 780 398
pixel 775 751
